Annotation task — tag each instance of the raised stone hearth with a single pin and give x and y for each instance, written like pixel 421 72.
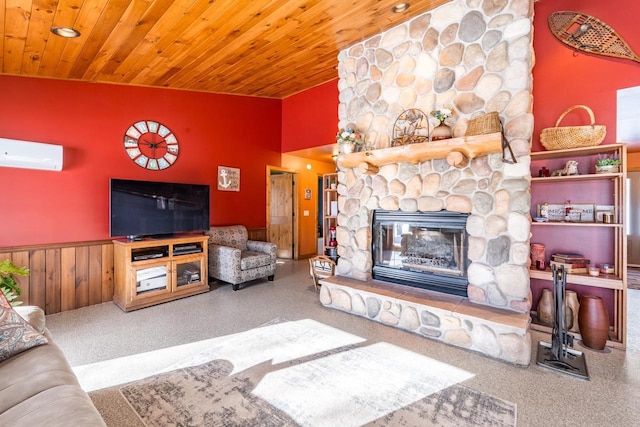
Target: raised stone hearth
pixel 447 318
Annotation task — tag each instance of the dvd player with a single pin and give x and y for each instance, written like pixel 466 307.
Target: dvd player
pixel 179 251
pixel 187 248
pixel 141 256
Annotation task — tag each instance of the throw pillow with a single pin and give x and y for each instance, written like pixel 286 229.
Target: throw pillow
pixel 16 335
pixel 34 316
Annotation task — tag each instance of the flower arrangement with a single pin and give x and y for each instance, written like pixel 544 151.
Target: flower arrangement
pixel 442 113
pixel 349 140
pixel 348 136
pixel 604 160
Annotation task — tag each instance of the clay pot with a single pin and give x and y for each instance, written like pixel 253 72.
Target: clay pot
pixel 546 309
pixel 593 320
pixel 571 301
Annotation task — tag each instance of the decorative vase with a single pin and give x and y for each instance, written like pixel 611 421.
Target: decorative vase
pixel 441 131
pixel 546 309
pixel 593 320
pixel 345 147
pixel 568 318
pixel 538 256
pixel 571 301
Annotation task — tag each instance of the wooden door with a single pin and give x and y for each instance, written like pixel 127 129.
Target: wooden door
pixel 281 209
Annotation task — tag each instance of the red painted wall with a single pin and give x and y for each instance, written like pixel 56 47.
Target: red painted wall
pixel 89 121
pixel 562 79
pixel 310 118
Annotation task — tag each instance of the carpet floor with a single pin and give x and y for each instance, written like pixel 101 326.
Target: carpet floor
pixel 109 348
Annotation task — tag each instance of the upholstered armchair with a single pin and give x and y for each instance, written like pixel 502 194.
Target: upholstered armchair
pixel 235 259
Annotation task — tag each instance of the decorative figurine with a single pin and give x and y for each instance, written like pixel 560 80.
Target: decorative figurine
pixel 571 168
pixel 544 211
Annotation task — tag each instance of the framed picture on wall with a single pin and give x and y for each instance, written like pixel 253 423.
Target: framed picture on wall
pixel 228 179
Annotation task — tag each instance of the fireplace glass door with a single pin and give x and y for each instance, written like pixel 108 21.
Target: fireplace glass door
pixel 421 249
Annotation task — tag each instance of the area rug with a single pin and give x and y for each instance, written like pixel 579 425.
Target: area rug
pixel 352 385
pixel 633 278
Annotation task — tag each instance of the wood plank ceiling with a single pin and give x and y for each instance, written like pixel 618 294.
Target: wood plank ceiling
pixel 264 48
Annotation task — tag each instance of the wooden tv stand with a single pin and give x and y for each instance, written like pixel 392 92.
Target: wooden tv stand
pixel 153 271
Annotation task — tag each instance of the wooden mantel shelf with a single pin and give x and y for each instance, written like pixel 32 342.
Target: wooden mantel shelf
pixel 454 150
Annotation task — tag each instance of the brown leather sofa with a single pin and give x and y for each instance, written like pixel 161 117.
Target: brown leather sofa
pixel 38 386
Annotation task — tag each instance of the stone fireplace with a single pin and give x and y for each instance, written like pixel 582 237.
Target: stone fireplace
pixel 475 55
pixel 426 250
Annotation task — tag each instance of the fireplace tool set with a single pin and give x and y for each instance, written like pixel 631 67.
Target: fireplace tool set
pixel 557 355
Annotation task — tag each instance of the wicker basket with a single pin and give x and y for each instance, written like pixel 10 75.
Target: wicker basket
pixel 487 123
pixel 560 138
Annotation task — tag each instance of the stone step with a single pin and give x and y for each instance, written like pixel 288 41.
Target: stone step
pixel 500 334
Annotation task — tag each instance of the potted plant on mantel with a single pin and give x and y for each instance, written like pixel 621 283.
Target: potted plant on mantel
pixel 608 164
pixel 8 284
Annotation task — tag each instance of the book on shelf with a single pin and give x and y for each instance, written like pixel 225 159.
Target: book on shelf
pixel 570 258
pixel 571 268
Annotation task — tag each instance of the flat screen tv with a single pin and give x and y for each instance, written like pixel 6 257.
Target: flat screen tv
pixel 146 208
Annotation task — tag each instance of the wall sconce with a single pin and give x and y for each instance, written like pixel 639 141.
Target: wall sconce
pixel 309 166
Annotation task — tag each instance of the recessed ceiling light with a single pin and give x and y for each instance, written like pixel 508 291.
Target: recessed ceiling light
pixel 400 7
pixel 65 32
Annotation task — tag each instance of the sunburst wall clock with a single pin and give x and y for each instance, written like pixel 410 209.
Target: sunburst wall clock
pixel 151 145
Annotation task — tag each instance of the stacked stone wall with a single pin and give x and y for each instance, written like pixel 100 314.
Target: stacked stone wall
pixel 474 55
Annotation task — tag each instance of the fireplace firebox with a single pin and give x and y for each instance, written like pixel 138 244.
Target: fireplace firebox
pixel 421 249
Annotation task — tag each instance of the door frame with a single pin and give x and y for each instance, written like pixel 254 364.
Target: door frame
pixel 272 170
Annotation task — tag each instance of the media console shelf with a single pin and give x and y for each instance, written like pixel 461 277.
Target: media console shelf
pixel 153 271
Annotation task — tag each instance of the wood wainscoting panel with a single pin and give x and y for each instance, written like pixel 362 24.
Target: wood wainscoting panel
pixel 106 280
pixel 64 276
pixel 68 279
pixel 52 285
pixel 259 234
pixel 37 278
pixel 82 276
pixel 95 274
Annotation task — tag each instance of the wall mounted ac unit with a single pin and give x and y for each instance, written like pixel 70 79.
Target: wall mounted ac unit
pixel 30 155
